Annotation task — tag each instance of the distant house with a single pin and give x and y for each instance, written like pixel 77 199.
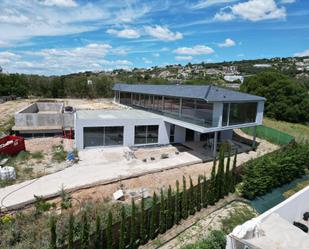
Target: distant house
pixel 262 65
pixel 232 78
pixel 163 114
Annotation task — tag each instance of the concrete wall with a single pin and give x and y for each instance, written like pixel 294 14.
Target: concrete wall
pixel 33 117
pixel 129 129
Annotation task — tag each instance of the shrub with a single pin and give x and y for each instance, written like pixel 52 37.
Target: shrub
pixel 37 155
pixel 215 240
pixel 59 154
pixel 263 174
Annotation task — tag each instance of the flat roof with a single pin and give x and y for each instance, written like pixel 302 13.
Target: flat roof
pixel 208 93
pixel 116 114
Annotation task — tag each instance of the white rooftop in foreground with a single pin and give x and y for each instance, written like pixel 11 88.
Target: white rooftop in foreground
pixel 274 229
pixel 116 114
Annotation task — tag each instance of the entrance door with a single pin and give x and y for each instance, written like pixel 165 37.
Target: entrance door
pixel 189 135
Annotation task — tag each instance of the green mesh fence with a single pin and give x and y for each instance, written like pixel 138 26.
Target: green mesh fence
pixel 270 134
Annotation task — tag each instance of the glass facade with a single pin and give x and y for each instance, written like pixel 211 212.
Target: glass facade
pixel 103 136
pixel 192 110
pixel 125 98
pixel 146 134
pixel 239 113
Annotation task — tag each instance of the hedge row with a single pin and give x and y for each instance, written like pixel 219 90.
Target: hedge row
pixel 261 175
pixel 144 224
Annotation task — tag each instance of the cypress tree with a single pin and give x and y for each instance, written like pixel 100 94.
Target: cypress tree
pixel 177 204
pixel 163 207
pixel 205 192
pixel 184 202
pixel 170 208
pixel 98 232
pixel 71 232
pixel 212 188
pixel 192 200
pixel 109 231
pixel 220 175
pixel 153 221
pixel 122 233
pixel 133 229
pixel 53 234
pixel 234 175
pixel 198 194
pixel 227 178
pixel 143 225
pixel 85 231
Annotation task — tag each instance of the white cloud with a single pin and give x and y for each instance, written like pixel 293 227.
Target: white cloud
pixel 196 50
pixel 302 54
pixel 208 3
pixel 184 58
pixel 227 43
pixel 125 33
pixel 287 1
pixel 156 54
pixel 252 10
pixel 58 3
pixel 163 33
pixel 146 61
pixel 62 61
pixel 24 19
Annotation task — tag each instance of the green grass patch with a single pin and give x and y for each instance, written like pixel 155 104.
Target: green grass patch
pixel 297 188
pixel 59 154
pixel 37 155
pixel 215 240
pixel 299 131
pixel 237 217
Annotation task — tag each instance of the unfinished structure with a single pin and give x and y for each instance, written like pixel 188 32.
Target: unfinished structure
pixel 43 119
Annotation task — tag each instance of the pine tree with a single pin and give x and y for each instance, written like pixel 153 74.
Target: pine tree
pixel 177 204
pixel 163 207
pixel 153 221
pixel 205 192
pixel 143 225
pixel 71 232
pixel 109 231
pixel 53 234
pixel 198 194
pixel 98 232
pixel 184 202
pixel 234 175
pixel 170 208
pixel 227 178
pixel 133 231
pixel 212 190
pixel 192 198
pixel 85 231
pixel 122 233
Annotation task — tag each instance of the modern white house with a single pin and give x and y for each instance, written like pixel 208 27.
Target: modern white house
pixel 164 114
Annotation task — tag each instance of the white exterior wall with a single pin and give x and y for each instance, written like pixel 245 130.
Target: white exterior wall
pixel 180 134
pixel 260 111
pixel 217 114
pixel 128 132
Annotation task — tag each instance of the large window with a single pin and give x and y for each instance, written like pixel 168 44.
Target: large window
pixel 157 103
pixel 188 108
pixel 204 111
pixel 125 98
pixel 146 134
pixel 239 113
pixel 103 136
pixel 171 105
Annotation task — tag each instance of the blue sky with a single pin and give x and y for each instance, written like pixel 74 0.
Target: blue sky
pixel 55 37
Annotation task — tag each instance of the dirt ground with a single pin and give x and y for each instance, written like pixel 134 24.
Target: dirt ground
pixel 155 181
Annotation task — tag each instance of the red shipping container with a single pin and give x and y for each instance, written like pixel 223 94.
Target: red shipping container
pixel 12 145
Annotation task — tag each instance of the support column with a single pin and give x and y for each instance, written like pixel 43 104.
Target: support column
pixel 254 138
pixel 214 153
